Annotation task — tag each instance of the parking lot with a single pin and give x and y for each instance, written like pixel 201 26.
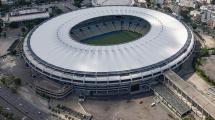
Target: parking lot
pixel 136 109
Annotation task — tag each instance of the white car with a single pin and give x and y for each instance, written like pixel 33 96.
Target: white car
pixel 153 104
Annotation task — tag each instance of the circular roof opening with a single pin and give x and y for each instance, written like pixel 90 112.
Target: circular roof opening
pixel 110 30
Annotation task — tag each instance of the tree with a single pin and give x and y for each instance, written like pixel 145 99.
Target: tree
pixel 209 118
pixel 14 25
pixel 23 30
pixel 13 52
pixel 21 3
pixel 185 15
pixel 159 6
pixel 77 3
pixel 3 80
pixel 148 2
pixel 194 25
pixel 203 52
pixel 167 9
pixel 10 116
pixel 17 81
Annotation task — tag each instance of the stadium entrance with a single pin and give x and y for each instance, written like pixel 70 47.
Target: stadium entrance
pixel 135 88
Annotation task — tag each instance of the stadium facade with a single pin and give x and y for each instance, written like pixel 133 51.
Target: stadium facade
pixel 55 49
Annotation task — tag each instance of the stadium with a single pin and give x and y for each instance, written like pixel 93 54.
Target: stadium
pixel 108 50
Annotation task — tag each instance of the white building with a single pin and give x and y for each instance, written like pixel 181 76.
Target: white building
pixel 208 13
pixel 205 1
pixel 26 14
pixel 187 3
pixel 195 13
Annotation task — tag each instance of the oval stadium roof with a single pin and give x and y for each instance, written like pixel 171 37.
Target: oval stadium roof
pixel 51 42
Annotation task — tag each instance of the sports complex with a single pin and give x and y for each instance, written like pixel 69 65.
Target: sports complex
pixel 108 50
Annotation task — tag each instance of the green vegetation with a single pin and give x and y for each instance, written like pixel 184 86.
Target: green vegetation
pixel 32 23
pixel 167 9
pixel 4 8
pixel 18 3
pixel 185 14
pixel 203 52
pixel 209 118
pixel 56 11
pixel 198 61
pixel 194 25
pixel 77 3
pixel 149 3
pixel 11 82
pixel 113 38
pixel 14 25
pixel 39 2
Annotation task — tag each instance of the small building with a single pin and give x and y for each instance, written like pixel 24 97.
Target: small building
pixel 195 13
pixel 208 15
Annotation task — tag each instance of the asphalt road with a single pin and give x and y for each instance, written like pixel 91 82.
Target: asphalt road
pixel 23 106
pixel 10 109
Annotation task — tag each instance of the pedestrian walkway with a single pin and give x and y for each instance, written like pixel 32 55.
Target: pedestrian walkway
pixel 171 100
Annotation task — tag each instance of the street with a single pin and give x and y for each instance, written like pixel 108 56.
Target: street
pixel 23 106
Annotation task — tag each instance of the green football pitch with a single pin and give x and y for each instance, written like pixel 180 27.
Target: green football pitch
pixel 117 37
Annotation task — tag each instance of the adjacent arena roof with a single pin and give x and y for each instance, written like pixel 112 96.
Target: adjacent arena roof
pixel 166 44
pixel 112 2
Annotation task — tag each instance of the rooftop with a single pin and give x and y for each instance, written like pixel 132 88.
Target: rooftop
pixel 164 40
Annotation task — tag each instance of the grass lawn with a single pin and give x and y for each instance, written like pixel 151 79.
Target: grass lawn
pixel 113 38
